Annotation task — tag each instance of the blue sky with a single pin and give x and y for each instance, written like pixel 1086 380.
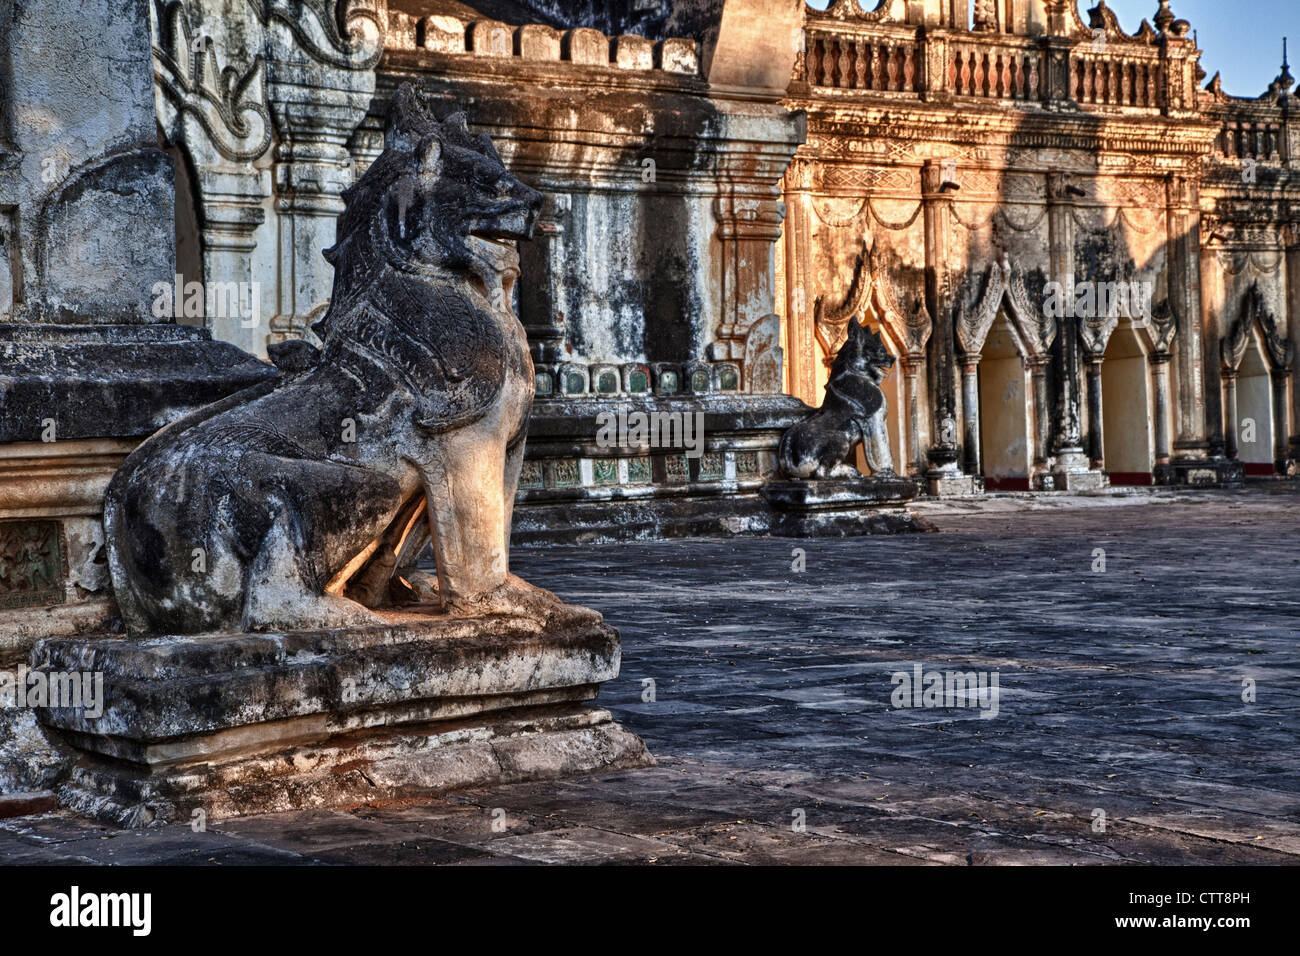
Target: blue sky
pixel 1241 38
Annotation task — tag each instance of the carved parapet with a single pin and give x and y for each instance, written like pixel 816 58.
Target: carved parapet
pixel 633 53
pixel 535 42
pixel 596 380
pixel 490 38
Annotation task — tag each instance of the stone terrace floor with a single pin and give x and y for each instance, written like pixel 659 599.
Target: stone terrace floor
pixel 1121 692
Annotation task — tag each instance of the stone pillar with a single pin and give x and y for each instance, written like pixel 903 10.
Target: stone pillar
pixel 970 393
pixel 916 463
pixel 1070 462
pixel 1230 420
pixel 1056 83
pixel 748 227
pixel 1177 63
pixel 933 82
pixel 541 288
pixel 1182 217
pixel 1038 372
pixel 748 213
pixel 1282 457
pixel 801 340
pixel 1212 332
pixel 318 93
pixel 312 169
pixel 1292 238
pixel 1096 440
pixel 942 366
pixel 222 128
pixel 1160 370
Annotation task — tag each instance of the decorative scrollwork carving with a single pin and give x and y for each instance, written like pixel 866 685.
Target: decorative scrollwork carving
pixel 229 103
pixel 1254 312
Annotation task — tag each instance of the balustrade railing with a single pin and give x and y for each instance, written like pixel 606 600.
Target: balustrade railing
pixel 966 65
pixel 1114 80
pixel 857 63
pixel 1260 140
pixel 994 72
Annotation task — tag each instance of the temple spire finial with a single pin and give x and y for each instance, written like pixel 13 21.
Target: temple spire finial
pixel 1164 17
pixel 1284 80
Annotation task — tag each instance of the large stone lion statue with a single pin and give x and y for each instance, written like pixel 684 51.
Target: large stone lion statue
pixel 305 502
pixel 853 411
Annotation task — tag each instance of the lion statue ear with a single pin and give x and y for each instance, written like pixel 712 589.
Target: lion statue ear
pixel 408 121
pixel 456 128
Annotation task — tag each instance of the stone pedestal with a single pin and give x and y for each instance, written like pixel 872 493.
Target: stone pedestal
pixel 232 724
pixel 847 506
pixel 953 484
pixel 1072 473
pixel 1202 472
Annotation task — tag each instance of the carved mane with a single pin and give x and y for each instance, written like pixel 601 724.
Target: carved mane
pixel 364 241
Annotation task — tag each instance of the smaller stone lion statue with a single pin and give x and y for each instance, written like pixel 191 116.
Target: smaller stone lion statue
pixel 853 411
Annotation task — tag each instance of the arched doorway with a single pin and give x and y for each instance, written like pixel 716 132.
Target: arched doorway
pixel 189 248
pixel 1006 427
pixel 1255 410
pixel 1128 443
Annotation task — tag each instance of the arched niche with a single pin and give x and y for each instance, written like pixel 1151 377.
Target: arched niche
pixel 1255 438
pixel 1128 424
pixel 1005 408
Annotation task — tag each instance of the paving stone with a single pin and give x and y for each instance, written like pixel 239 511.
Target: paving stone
pixel 310 831
pixel 1119 691
pixel 418 852
pixel 770 846
pixel 587 845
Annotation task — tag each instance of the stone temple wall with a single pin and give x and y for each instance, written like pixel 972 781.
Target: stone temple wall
pixel 680 219
pixel 961 160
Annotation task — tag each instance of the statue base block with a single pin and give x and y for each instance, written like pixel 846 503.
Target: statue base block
pixel 954 484
pixel 843 506
pixel 233 724
pixel 1202 473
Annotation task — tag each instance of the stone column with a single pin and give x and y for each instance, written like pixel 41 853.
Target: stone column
pixel 1038 372
pixel 230 213
pixel 800 338
pixel 1292 239
pixel 1282 457
pixel 320 81
pixel 1185 299
pixel 1096 440
pixel 942 366
pixel 970 392
pixel 748 213
pixel 748 226
pixel 541 289
pixel 221 142
pixel 1060 225
pixel 1230 420
pixel 1056 58
pixel 1160 369
pixel 1211 334
pixel 933 82
pixel 916 463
